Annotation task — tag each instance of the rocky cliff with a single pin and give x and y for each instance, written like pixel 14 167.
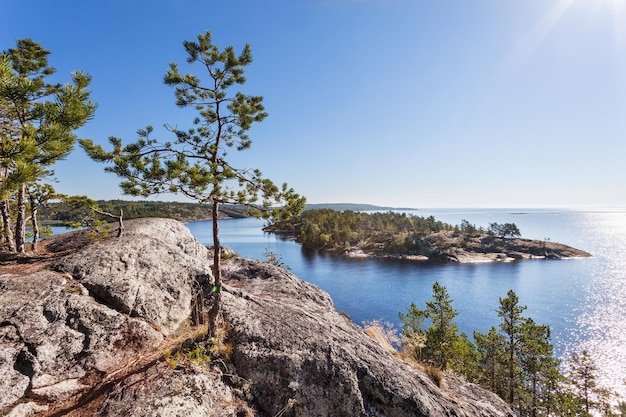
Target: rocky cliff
pixel 86 329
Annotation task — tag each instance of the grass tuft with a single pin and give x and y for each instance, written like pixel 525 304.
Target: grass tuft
pixel 435 374
pixel 384 333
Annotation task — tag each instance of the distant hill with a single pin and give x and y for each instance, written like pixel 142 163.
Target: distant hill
pixel 353 207
pixel 61 212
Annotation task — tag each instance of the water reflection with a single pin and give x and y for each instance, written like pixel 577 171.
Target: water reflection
pixel 601 319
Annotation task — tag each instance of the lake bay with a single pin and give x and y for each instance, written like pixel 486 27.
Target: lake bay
pixel 582 300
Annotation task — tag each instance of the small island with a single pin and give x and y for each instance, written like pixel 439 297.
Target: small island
pixel 402 236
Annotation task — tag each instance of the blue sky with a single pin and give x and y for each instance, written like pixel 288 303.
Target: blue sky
pixel 408 103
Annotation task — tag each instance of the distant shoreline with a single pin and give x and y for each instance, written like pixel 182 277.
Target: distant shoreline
pixel 452 247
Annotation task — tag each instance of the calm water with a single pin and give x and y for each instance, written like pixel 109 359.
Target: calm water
pixel 583 300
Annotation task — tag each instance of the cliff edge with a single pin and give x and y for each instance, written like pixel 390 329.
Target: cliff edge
pixel 85 330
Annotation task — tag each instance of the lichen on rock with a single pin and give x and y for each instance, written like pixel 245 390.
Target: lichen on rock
pixel 84 334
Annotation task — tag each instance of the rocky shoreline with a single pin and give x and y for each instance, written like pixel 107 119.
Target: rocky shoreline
pixel 454 247
pixel 457 248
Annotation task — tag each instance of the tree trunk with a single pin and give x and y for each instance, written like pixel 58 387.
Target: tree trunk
pixel 20 222
pixel 35 223
pixel 511 375
pixel 216 290
pixel 120 220
pixel 7 229
pixel 534 402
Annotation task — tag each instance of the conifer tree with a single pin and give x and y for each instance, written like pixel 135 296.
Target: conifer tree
pixel 584 380
pixel 491 360
pixel 195 162
pixel 512 328
pixel 441 343
pixel 38 196
pixel 532 379
pixel 38 120
pixel 413 336
pixel 442 334
pixel 539 370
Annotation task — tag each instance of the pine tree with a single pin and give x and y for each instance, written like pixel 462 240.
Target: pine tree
pixel 491 360
pixel 512 329
pixel 195 162
pixel 442 334
pixel 440 344
pixel 38 120
pixel 539 370
pixel 413 336
pixel 583 375
pixel 38 196
pixel 532 380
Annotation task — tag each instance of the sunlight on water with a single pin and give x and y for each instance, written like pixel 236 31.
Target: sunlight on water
pixel 602 323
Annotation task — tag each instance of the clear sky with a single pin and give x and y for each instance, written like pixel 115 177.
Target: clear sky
pixel 407 103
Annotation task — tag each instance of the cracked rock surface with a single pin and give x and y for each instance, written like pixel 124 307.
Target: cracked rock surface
pixel 84 333
pixel 286 333
pixel 94 309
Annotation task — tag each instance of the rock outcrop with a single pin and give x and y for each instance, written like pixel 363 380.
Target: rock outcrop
pixel 287 334
pixel 456 247
pixel 84 333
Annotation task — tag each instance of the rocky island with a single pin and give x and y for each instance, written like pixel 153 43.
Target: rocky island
pixel 401 236
pixel 97 329
pixel 455 247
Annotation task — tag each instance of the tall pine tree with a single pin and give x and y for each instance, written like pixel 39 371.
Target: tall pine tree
pixel 491 360
pixel 195 162
pixel 512 329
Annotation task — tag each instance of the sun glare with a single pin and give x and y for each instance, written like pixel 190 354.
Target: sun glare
pixel 524 50
pixel 617 7
pixel 617 10
pixel 617 4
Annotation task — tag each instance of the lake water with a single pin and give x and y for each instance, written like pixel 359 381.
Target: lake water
pixel 583 300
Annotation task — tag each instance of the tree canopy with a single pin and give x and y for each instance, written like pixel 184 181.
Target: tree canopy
pixel 506 230
pixel 37 124
pixel 194 162
pixel 515 359
pixel 440 342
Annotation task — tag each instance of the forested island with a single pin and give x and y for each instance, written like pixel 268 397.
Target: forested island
pixel 400 235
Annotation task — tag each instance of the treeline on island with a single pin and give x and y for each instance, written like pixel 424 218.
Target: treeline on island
pixel 401 235
pixel 341 230
pixel 386 233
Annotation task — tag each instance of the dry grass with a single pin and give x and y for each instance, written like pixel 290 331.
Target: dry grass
pixel 47 251
pixel 384 333
pixel 435 374
pixel 184 338
pixel 432 371
pixel 386 336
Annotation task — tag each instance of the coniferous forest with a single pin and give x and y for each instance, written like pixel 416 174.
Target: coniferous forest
pixel 515 358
